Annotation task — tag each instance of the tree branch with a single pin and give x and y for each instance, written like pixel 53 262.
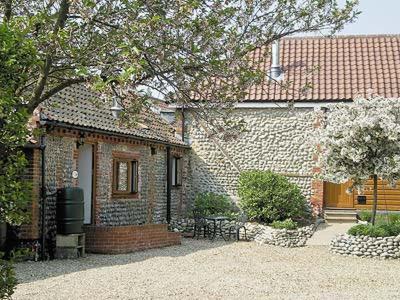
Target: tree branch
pixel 42 80
pixel 55 90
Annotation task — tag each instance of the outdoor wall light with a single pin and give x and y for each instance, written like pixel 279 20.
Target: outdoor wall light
pixel 116 108
pixel 81 140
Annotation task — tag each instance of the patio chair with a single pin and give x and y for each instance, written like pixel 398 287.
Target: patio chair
pixel 200 224
pixel 239 224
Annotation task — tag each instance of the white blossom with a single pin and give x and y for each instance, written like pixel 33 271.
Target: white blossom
pixel 360 139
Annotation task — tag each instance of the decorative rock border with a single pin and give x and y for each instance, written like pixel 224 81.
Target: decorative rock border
pixel 366 246
pixel 284 237
pixel 259 233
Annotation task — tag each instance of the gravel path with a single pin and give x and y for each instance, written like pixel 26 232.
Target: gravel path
pixel 206 270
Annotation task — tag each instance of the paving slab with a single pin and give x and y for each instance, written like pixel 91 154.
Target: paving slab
pixel 326 232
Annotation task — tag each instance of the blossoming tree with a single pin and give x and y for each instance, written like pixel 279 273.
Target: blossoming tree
pixel 361 140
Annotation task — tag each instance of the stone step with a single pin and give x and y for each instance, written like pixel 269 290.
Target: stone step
pixel 331 220
pixel 340 216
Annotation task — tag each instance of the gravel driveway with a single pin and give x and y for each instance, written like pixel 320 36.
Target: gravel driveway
pixel 212 270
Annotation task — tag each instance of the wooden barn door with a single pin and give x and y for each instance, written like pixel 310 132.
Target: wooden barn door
pixel 335 196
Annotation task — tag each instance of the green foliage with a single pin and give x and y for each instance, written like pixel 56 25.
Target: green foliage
pixel 365 215
pixel 387 218
pixel 381 230
pixel 16 54
pixel 286 224
pixel 167 45
pixel 267 197
pixel 211 204
pixel 8 280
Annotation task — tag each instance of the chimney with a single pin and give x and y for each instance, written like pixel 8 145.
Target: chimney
pixel 275 72
pixel 116 108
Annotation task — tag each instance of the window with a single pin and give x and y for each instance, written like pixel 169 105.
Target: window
pixel 125 179
pixel 176 171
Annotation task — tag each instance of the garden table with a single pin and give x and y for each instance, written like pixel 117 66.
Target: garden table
pixel 217 221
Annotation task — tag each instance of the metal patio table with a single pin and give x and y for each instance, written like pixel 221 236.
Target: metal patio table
pixel 217 221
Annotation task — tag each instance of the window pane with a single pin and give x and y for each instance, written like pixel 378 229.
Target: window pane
pixel 173 171
pixel 134 183
pixel 178 171
pixel 122 176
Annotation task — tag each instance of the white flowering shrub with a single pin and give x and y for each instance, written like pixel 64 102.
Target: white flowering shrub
pixel 358 140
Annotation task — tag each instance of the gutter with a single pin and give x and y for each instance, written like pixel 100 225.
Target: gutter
pixel 101 131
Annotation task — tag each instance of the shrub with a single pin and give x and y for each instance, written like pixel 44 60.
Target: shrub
pixel 211 204
pixel 267 197
pixel 365 215
pixel 382 230
pixel 287 224
pixel 390 218
pixel 7 279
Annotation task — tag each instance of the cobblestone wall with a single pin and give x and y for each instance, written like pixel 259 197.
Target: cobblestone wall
pixel 271 143
pixel 59 161
pixel 150 204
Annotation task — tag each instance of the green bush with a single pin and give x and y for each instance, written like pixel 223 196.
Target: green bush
pixel 267 197
pixel 7 279
pixel 211 204
pixel 389 218
pixel 286 224
pixel 381 230
pixel 365 215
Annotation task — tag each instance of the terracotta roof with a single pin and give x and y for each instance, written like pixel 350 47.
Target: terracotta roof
pixel 81 107
pixel 344 67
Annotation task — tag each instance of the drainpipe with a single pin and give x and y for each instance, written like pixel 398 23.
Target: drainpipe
pixel 169 183
pixel 43 197
pixel 183 123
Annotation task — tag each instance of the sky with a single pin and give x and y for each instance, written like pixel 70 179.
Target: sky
pixel 377 17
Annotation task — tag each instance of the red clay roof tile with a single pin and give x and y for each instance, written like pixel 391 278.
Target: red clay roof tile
pixel 347 66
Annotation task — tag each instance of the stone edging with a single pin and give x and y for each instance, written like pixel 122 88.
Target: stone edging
pixel 366 246
pixel 283 237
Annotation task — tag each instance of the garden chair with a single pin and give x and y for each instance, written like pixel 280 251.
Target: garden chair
pixel 200 223
pixel 239 224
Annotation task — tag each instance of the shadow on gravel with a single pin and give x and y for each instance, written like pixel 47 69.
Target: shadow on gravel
pixel 30 271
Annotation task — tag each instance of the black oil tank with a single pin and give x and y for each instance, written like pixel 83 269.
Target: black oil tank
pixel 70 206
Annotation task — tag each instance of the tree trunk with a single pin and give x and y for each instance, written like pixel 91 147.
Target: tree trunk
pixel 375 204
pixel 7 10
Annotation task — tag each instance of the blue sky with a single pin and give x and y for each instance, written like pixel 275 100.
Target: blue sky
pixel 378 16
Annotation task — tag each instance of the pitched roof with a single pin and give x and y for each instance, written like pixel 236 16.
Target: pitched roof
pixel 344 67
pixel 81 107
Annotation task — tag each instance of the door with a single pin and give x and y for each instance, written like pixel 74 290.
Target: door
pixel 335 195
pixel 85 179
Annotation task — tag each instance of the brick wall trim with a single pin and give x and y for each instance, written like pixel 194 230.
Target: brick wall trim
pixel 125 239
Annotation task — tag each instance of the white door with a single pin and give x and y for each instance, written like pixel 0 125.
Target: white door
pixel 85 179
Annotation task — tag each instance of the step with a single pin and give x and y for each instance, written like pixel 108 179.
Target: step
pixel 340 211
pixel 340 216
pixel 340 220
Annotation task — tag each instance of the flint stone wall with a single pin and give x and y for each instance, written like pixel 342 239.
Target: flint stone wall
pixel 366 246
pixel 149 208
pixel 273 141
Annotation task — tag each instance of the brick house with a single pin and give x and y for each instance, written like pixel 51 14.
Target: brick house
pixel 128 196
pixel 311 72
pixel 81 136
